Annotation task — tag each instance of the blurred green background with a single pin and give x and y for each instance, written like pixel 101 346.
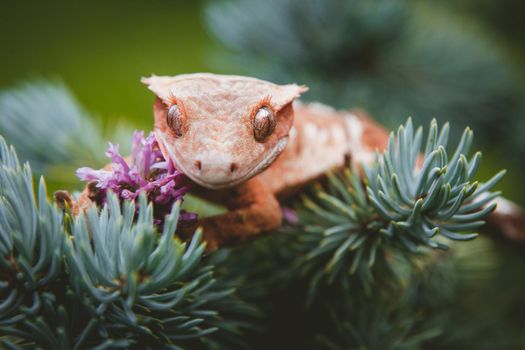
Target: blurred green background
pixel 100 49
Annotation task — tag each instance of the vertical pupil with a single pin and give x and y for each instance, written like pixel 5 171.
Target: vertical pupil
pixel 263 123
pixel 175 120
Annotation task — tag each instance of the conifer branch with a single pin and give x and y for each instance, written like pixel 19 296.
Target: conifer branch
pixel 105 279
pixel 353 232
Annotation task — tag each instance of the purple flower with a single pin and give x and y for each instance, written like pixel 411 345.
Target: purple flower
pixel 145 171
pixel 290 215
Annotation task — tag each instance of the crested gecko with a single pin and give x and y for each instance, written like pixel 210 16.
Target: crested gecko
pixel 247 143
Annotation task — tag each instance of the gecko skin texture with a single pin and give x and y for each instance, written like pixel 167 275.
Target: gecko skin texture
pixel 213 143
pixel 218 150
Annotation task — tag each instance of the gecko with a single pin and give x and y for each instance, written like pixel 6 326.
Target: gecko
pixel 250 144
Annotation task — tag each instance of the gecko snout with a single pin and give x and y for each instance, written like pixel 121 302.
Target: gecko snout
pixel 214 172
pixel 198 164
pixel 233 166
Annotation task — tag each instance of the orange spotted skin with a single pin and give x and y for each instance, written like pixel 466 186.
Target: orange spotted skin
pixel 217 149
pixel 219 152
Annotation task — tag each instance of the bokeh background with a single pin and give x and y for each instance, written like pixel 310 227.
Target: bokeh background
pixel 100 49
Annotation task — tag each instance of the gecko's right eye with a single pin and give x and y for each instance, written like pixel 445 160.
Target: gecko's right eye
pixel 176 120
pixel 263 123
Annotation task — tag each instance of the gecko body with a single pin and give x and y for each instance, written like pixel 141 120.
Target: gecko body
pixel 247 144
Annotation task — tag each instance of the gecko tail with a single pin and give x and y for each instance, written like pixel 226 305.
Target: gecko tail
pixel 508 219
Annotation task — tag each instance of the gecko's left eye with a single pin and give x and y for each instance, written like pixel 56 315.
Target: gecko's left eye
pixel 263 123
pixel 176 120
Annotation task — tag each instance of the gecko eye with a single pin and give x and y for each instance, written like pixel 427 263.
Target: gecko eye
pixel 263 123
pixel 176 120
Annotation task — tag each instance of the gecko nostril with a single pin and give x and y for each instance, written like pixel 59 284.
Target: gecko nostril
pixel 233 167
pixel 198 164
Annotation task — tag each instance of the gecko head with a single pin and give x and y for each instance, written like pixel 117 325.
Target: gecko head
pixel 221 130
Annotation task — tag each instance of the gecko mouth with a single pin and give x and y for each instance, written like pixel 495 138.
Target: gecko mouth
pixel 263 164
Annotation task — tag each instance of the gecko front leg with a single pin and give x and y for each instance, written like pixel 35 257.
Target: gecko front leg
pixel 253 209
